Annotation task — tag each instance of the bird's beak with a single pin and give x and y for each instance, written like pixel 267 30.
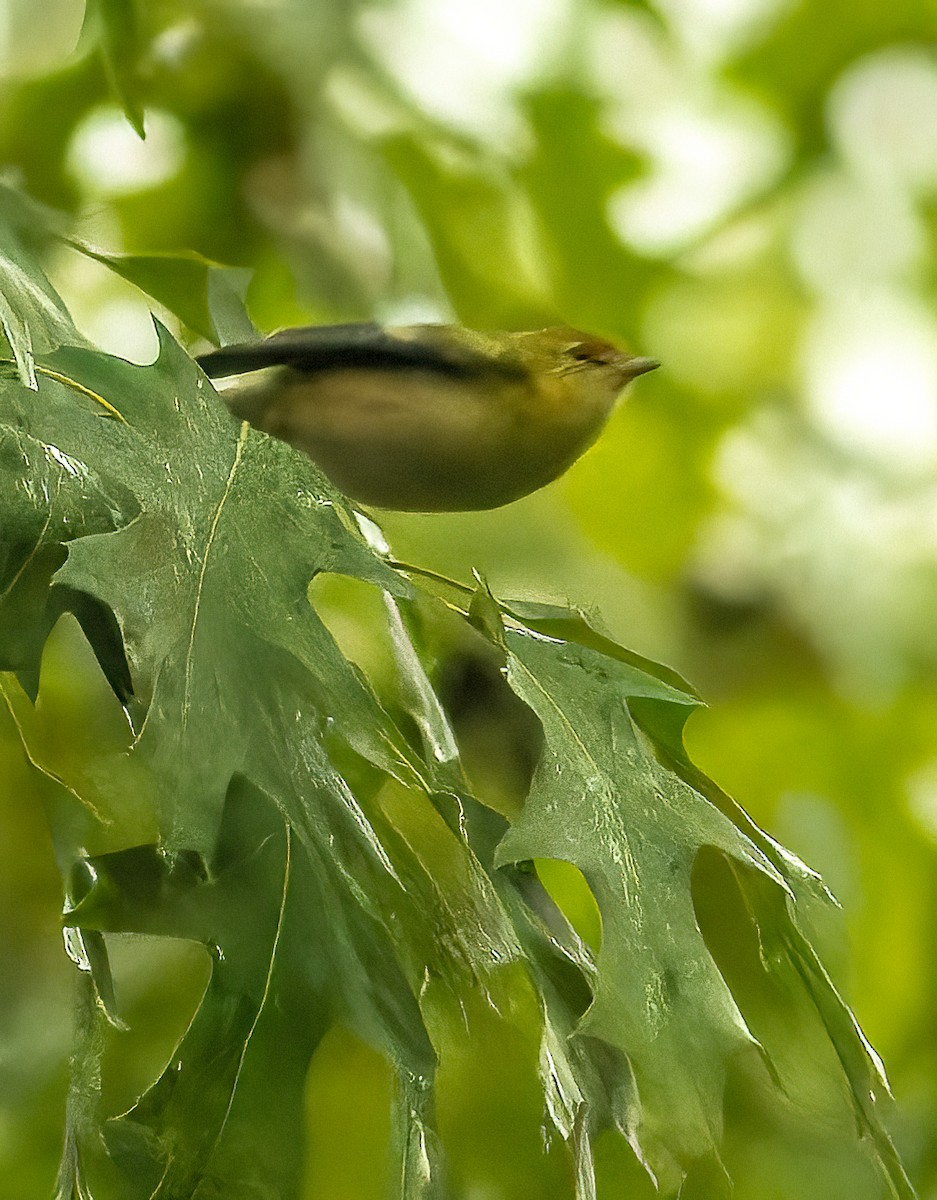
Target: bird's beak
pixel 633 367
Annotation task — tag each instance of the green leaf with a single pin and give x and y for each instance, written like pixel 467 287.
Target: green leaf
pixel 482 233
pixel 32 316
pixel 205 296
pixel 203 537
pixel 601 801
pixel 114 26
pixel 227 1112
pixel 570 176
pixel 786 951
pixel 84 1086
pixel 615 795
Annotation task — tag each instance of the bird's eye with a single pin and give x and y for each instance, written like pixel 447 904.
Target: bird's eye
pixel 593 350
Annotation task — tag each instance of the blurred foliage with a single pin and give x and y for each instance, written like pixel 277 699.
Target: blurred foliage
pixel 746 191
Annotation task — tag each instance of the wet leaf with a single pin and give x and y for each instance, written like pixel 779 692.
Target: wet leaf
pixel 330 856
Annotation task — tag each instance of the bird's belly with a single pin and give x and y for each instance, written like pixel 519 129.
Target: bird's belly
pixel 424 444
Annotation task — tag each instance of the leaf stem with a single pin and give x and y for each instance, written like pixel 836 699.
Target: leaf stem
pixel 75 386
pixel 427 574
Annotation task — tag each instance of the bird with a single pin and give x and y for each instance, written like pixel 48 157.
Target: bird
pixel 428 418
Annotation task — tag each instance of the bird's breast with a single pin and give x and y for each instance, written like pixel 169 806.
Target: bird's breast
pixel 407 440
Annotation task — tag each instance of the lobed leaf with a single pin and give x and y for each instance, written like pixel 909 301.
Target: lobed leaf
pixel 331 857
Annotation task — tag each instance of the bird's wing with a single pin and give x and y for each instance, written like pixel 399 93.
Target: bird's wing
pixel 314 348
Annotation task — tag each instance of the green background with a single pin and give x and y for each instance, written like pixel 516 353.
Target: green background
pixel 747 191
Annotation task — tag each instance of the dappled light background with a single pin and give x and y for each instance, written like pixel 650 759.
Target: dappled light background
pixel 744 189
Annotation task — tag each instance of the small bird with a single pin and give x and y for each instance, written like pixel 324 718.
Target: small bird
pixel 429 418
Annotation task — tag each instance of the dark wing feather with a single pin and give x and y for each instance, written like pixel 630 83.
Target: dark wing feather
pixel 314 348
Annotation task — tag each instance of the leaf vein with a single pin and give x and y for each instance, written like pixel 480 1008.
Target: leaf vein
pixel 216 517
pixel 266 992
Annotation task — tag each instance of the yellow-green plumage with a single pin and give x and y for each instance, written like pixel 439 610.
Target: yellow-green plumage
pixel 433 417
